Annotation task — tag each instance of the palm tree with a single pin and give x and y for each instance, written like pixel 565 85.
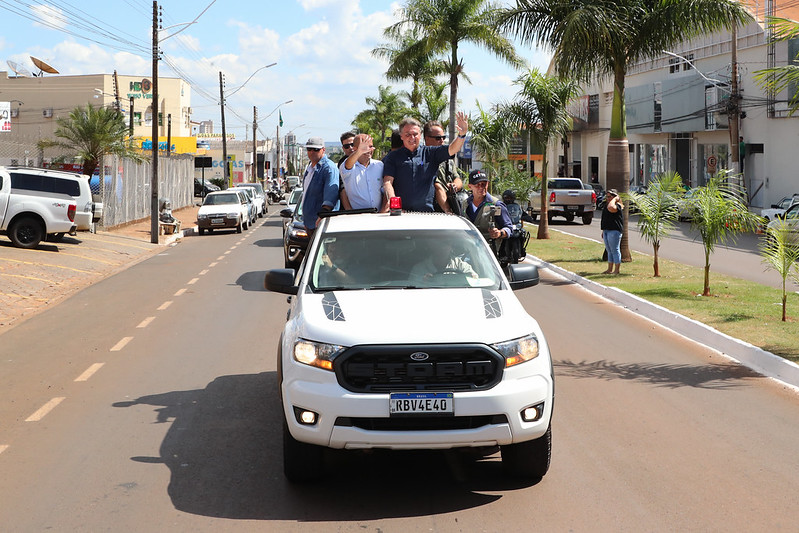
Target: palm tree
pixel 719 214
pixel 541 107
pixel 403 65
pixel 490 136
pixel 386 110
pixel 434 102
pixel 658 210
pixel 442 25
pixel 92 132
pixel 592 38
pixel 776 79
pixel 780 252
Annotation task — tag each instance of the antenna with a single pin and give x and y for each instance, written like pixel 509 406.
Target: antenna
pixel 43 67
pixel 18 69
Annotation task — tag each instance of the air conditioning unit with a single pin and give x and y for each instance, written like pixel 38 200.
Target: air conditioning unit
pixel 47 113
pixel 14 112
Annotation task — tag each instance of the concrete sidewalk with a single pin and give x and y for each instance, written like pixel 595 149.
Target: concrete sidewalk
pixel 32 280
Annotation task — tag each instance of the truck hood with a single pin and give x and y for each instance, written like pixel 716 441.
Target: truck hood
pixel 413 316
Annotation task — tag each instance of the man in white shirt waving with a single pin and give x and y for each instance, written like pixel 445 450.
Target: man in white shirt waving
pixel 362 176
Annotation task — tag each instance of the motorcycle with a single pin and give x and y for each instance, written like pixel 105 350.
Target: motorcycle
pixel 513 249
pixel 274 194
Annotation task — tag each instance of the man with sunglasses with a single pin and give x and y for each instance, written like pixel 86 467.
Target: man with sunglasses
pixel 488 214
pixel 347 145
pixel 410 171
pixel 361 176
pixel 319 184
pixel 447 178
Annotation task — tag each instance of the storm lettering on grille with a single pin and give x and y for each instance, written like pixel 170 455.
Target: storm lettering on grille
pixel 419 370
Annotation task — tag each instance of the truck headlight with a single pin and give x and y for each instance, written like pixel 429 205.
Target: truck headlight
pixel 232 215
pixel 202 217
pixel 316 354
pixel 518 350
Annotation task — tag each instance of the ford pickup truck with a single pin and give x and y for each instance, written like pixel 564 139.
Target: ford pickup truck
pixel 567 198
pixel 31 209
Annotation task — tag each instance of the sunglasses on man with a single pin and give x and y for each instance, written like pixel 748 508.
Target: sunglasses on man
pixel 438 137
pixel 313 149
pixel 347 146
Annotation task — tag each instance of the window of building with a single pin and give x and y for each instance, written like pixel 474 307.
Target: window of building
pixel 658 103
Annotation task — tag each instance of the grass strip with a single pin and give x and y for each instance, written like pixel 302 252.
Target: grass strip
pixel 742 309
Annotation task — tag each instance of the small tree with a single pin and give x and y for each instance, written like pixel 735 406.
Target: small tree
pixel 508 176
pixel 719 214
pixel 780 251
pixel 658 210
pixel 490 135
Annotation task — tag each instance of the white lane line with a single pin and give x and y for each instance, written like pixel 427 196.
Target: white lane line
pixel 227 252
pixel 3 447
pixel 181 291
pixel 146 322
pixel 164 305
pixel 234 246
pixel 193 281
pixel 121 344
pixel 203 272
pixel 212 265
pixel 89 372
pixel 46 408
pixel 220 257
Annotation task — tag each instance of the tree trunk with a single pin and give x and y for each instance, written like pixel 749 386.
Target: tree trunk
pixel 655 265
pixel 453 91
pixel 706 291
pixel 618 162
pixel 543 218
pixel 784 305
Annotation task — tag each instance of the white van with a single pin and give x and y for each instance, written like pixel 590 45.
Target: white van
pixel 56 181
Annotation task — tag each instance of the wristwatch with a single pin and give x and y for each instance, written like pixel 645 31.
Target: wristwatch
pixel 461 136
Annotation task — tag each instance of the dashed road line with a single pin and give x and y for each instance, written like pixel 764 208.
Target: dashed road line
pixel 89 372
pixel 212 265
pixel 203 272
pixel 3 447
pixel 180 292
pixel 146 322
pixel 46 408
pixel 193 281
pixel 227 252
pixel 121 344
pixel 165 305
pixel 220 257
pixel 46 264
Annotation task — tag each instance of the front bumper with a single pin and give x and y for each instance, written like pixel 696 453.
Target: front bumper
pixel 499 408
pixel 208 224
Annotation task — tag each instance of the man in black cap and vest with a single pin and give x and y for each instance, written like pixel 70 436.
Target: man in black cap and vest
pixel 487 213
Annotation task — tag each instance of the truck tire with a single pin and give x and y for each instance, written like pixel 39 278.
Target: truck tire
pixel 569 218
pixel 201 230
pixel 529 460
pixel 587 218
pixel 302 462
pixel 26 232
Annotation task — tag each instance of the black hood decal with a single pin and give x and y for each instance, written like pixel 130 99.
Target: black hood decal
pixel 493 308
pixel 332 308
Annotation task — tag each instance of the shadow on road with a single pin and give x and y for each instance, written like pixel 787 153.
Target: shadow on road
pixel 710 376
pixel 224 453
pixel 269 243
pixel 252 281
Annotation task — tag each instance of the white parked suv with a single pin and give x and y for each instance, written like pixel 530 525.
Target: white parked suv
pixel 404 333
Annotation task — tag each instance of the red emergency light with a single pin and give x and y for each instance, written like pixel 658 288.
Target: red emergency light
pixel 395 205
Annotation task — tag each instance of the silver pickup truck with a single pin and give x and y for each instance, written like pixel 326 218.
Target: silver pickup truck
pixel 567 198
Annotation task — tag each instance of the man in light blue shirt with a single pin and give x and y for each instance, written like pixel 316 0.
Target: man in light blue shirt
pixel 320 184
pixel 362 176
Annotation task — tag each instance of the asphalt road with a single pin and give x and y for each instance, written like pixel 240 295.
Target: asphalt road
pixel 148 402
pixel 739 258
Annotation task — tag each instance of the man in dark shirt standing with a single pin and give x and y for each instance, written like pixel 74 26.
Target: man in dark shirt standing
pixel 411 171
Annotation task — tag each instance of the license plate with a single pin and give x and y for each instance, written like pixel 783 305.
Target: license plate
pixel 421 403
pixel 572 207
pixel 217 221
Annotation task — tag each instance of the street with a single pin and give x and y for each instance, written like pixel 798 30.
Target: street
pixel 148 402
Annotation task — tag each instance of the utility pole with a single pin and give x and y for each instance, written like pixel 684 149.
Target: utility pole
pixel 168 134
pixel 733 107
pixel 118 107
pixel 154 175
pixel 254 145
pixel 130 127
pixel 224 135
pixel 277 140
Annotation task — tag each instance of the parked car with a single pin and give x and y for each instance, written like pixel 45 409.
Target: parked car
pixel 346 381
pixel 295 238
pixel 260 196
pixel 778 210
pixel 686 209
pixel 291 182
pixel 227 209
pixel 291 204
pixel 567 198
pixel 253 205
pixel 202 190
pixel 791 220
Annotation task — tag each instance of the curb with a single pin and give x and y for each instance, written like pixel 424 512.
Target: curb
pixel 751 356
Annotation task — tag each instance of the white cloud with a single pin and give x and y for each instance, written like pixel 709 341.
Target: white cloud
pixel 309 5
pixel 49 17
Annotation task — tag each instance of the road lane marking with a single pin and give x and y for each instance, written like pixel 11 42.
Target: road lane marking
pixel 165 305
pixel 193 281
pixel 203 272
pixel 220 257
pixel 46 264
pixel 180 292
pixel 227 252
pixel 46 408
pixel 3 447
pixel 23 297
pixel 234 247
pixel 212 265
pixel 89 372
pixel 24 277
pixel 146 322
pixel 90 258
pixel 121 344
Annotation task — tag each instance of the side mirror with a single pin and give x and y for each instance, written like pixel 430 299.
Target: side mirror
pixel 280 280
pixel 286 213
pixel 283 202
pixel 522 276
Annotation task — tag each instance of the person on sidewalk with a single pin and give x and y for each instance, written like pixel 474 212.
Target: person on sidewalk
pixel 612 227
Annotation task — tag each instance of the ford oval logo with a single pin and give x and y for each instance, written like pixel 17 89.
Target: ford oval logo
pixel 419 356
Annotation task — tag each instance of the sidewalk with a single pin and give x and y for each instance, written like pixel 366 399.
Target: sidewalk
pixel 32 280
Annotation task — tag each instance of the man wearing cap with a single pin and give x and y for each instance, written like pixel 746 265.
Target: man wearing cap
pixel 410 171
pixel 319 184
pixel 362 176
pixel 480 209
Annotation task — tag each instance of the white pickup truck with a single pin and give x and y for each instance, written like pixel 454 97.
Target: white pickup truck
pixel 29 211
pixel 567 198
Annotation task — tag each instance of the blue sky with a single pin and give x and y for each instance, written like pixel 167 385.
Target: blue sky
pixel 322 49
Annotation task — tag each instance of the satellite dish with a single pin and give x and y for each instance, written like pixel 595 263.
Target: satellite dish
pixel 43 67
pixel 18 69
